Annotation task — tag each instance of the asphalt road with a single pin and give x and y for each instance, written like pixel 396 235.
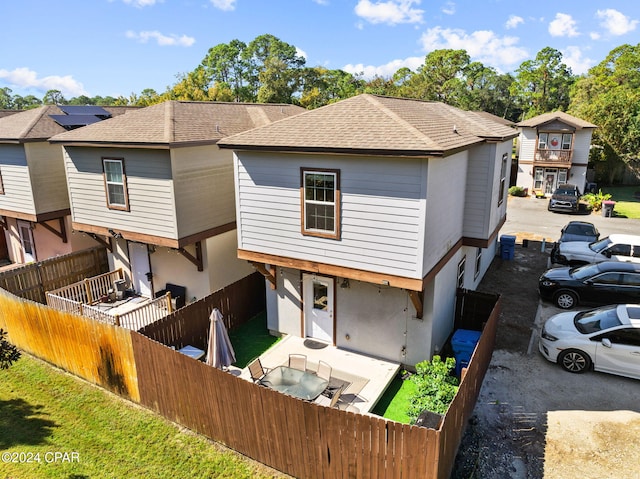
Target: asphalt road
pixel 528 218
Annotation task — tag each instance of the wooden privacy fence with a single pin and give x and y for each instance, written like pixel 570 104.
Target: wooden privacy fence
pixel 297 437
pixel 237 302
pixel 31 281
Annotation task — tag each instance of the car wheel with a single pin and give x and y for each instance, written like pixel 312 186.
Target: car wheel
pixel 566 299
pixel 574 361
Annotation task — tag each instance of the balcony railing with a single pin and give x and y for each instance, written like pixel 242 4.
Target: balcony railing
pixel 556 157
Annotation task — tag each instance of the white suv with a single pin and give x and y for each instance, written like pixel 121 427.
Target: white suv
pixel 616 247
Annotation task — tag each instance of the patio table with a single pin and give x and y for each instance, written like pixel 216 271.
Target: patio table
pixel 192 352
pixel 295 382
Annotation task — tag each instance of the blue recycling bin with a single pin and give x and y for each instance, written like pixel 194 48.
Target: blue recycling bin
pixel 463 343
pixel 507 247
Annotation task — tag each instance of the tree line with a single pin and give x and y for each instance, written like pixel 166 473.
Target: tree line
pixel 268 70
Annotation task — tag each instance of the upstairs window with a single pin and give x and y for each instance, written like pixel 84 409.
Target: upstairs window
pixel 115 182
pixel 503 178
pixel 566 141
pixel 321 203
pixel 543 138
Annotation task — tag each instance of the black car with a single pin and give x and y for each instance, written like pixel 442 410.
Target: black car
pixel 565 198
pixel 602 283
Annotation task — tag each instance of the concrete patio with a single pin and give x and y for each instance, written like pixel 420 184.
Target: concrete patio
pixel 368 377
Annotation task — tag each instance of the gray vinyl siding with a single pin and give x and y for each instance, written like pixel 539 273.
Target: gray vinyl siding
pixel 203 185
pixel 149 186
pixel 528 140
pixel 18 194
pixel 46 165
pixel 382 211
pixel 445 207
pixel 581 146
pixel 482 213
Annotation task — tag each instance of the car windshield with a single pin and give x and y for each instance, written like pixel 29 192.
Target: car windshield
pixel 580 229
pixel 565 191
pixel 584 272
pixel 598 246
pixel 588 322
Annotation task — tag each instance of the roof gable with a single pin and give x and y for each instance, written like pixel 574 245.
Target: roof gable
pixel 555 116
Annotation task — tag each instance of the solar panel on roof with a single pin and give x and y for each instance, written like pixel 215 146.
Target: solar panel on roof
pixel 74 121
pixel 85 110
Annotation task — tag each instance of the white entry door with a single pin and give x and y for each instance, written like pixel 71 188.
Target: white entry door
pixel 26 241
pixel 318 307
pixel 140 269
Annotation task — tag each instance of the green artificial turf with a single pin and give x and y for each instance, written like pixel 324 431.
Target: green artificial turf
pixel 395 401
pixel 251 340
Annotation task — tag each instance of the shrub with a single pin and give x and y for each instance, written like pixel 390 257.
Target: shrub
pixel 594 200
pixel 517 191
pixel 435 387
pixel 9 354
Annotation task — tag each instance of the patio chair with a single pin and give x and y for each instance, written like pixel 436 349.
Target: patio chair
pixel 330 402
pixel 324 370
pixel 256 370
pixel 298 361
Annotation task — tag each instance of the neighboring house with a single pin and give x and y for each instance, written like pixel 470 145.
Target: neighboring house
pixel 155 189
pixel 553 149
pixel 366 215
pixel 34 203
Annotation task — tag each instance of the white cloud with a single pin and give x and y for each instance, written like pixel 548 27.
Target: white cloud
pixel 301 53
pixel 615 22
pixel 513 22
pixel 141 3
pixel 594 36
pixel 161 39
pixel 563 26
pixel 390 12
pixel 322 2
pixel 386 71
pixel 25 78
pixel 226 5
pixel 482 45
pixel 572 57
pixel 449 8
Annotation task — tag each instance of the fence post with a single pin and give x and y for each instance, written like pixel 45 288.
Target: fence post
pixel 169 307
pixel 117 316
pixel 88 291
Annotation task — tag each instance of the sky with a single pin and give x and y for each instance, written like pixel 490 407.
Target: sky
pixel 119 47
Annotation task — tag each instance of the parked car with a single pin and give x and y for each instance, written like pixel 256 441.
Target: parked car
pixel 597 283
pixel 606 338
pixel 565 198
pixel 575 231
pixel 616 247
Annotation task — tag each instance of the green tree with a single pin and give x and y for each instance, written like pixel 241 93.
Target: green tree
pixel 9 354
pixel 439 79
pixel 6 99
pixel 228 70
pixel 54 97
pixel 543 84
pixel 321 86
pixel 435 387
pixel 25 103
pixel 609 97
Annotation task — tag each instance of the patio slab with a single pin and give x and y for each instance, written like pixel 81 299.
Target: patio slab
pixel 368 377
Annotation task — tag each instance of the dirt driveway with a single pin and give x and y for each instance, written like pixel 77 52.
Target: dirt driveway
pixel 533 419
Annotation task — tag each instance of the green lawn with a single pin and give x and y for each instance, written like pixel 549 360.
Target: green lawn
pixel 44 411
pixel 627 205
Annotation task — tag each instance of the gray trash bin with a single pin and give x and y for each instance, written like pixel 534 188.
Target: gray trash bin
pixel 607 208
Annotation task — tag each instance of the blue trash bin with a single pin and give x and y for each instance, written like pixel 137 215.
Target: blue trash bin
pixel 463 343
pixel 507 247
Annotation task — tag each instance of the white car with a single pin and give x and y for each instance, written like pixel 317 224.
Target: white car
pixel 616 247
pixel 606 338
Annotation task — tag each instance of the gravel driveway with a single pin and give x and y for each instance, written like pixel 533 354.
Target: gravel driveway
pixel 533 419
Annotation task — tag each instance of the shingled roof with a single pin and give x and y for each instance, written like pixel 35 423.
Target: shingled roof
pixel 553 116
pixel 372 124
pixel 37 125
pixel 177 123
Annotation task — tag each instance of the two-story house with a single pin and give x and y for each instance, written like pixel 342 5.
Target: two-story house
pixel 366 215
pixel 154 188
pixel 553 149
pixel 34 203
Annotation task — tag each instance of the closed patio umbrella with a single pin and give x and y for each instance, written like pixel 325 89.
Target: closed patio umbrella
pixel 220 353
